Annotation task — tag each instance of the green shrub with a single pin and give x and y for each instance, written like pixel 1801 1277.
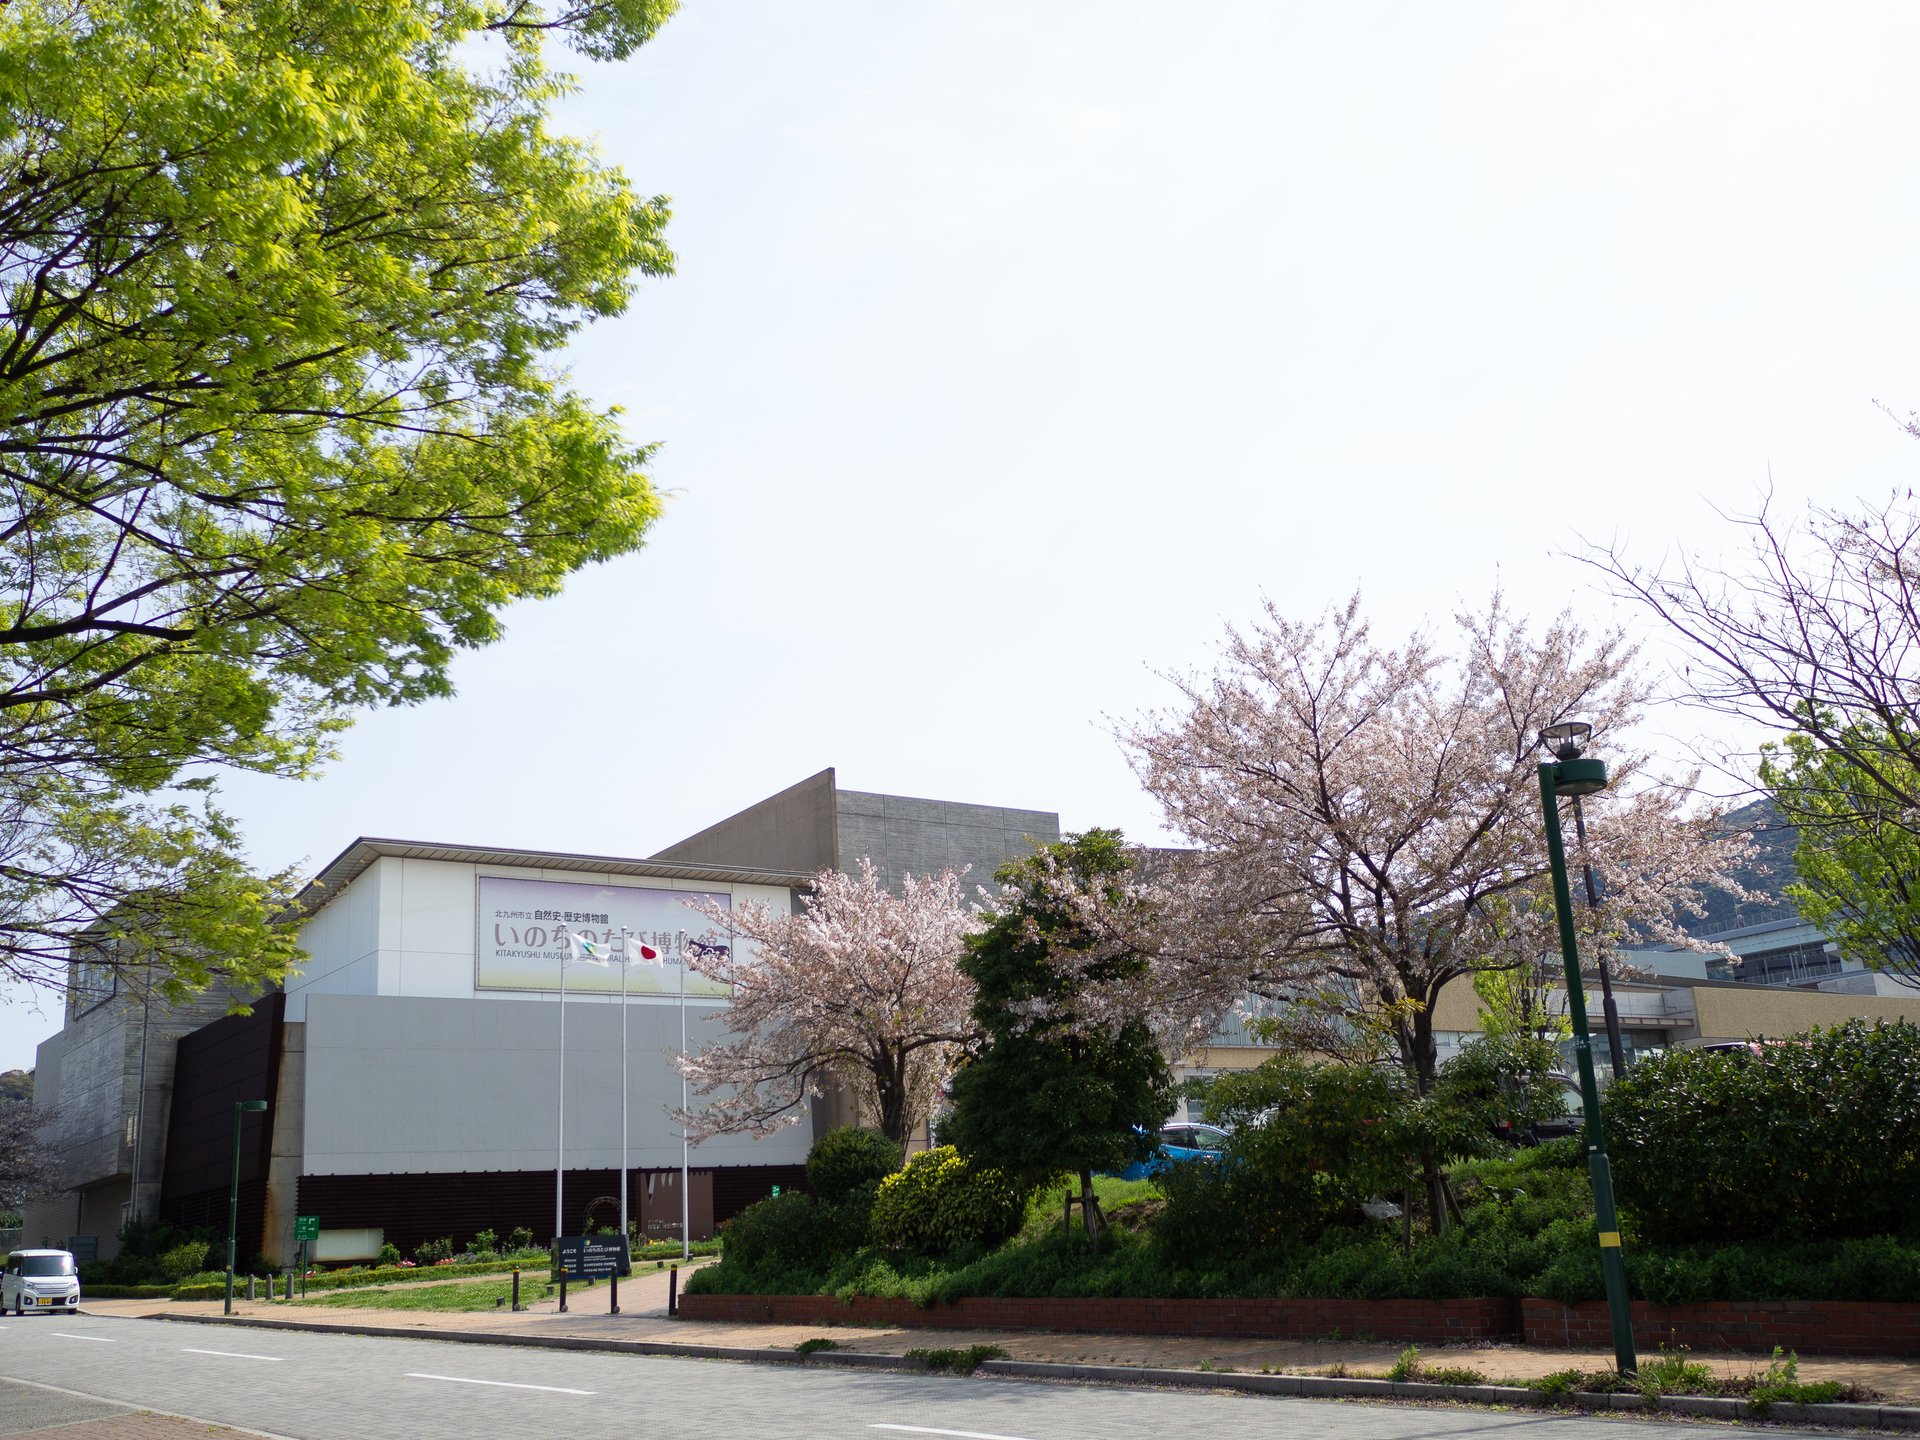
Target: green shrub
pixel 1310 1143
pixel 521 1238
pixel 780 1232
pixel 940 1204
pixel 486 1240
pixel 1817 1137
pixel 388 1255
pixel 847 1165
pixel 184 1260
pixel 816 1344
pixel 432 1252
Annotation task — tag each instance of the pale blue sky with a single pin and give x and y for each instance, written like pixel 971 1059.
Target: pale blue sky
pixel 1017 348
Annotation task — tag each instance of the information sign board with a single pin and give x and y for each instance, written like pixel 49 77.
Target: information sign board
pixel 306 1227
pixel 593 1257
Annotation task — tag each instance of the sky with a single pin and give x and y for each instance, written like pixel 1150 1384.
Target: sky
pixel 1016 350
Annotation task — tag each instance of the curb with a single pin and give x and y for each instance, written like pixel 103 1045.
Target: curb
pixel 765 1355
pixel 1321 1387
pixel 1888 1417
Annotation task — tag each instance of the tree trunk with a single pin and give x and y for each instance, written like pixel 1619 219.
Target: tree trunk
pixel 1089 1208
pixel 890 1089
pixel 1422 1064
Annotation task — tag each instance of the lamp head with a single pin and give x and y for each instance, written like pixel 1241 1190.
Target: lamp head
pixel 250 1106
pixel 1566 739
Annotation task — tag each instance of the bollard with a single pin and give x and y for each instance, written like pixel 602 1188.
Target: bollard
pixel 563 1292
pixel 516 1289
pixel 249 1287
pixel 613 1293
pixel 673 1290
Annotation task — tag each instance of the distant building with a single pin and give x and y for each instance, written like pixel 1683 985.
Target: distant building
pixel 411 1067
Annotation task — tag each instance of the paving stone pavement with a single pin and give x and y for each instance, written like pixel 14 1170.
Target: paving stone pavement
pixel 30 1411
pixel 643 1302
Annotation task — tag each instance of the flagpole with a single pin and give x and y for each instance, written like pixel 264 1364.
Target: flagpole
pixel 560 1124
pixel 686 1236
pixel 626 964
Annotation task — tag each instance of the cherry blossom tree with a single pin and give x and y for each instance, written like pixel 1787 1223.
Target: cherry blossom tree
pixel 1366 820
pixel 863 989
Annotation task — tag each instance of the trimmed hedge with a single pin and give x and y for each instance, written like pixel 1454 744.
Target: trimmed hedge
pixel 353 1279
pixel 1812 1138
pixel 124 1292
pixel 403 1274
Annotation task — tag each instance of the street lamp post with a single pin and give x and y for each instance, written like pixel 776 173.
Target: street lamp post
pixel 240 1109
pixel 1569 775
pixel 1616 1050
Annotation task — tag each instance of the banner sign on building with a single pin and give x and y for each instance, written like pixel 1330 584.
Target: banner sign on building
pixel 518 945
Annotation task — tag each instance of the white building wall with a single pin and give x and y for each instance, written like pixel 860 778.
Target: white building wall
pixel 416 1084
pixel 408 927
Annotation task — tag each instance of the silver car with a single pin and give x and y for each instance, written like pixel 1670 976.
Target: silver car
pixel 44 1280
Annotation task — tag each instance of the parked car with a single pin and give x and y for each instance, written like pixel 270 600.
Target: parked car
pixel 1570 1121
pixel 40 1280
pixel 1180 1142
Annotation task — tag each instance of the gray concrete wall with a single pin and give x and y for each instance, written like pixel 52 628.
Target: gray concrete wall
pixel 400 1084
pixel 792 831
pixel 288 1144
pixel 902 835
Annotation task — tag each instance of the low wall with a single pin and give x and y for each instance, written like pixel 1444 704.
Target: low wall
pixel 1433 1321
pixel 1812 1327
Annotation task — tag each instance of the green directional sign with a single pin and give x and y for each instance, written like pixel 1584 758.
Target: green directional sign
pixel 306 1227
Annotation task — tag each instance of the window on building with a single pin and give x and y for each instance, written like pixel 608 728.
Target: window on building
pixel 1786 965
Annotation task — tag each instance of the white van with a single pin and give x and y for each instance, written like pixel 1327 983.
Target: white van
pixel 45 1280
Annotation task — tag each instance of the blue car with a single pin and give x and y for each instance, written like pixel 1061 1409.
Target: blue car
pixel 1179 1143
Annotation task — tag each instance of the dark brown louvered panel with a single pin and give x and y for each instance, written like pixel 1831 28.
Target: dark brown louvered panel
pixel 414 1208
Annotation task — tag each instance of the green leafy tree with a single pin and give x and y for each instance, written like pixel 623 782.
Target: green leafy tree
pixel 1522 1001
pixel 1858 847
pixel 1311 1141
pixel 1071 1075
pixel 281 287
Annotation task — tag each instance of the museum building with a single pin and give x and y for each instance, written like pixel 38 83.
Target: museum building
pixel 412 1068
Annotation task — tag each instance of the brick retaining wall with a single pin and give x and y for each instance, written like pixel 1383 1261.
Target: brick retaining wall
pixel 1434 1321
pixel 1812 1327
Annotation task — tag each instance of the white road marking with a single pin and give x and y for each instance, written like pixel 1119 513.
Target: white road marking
pixel 929 1430
pixel 97 1339
pixel 229 1354
pixel 503 1384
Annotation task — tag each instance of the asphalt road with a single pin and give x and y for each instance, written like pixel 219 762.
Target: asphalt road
pixel 344 1387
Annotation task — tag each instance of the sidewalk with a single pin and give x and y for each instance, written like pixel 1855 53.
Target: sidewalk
pixel 643 1300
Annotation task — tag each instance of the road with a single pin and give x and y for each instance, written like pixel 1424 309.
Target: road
pixel 307 1386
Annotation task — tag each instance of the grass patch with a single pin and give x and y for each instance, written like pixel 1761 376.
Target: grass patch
pixel 1672 1373
pixel 479 1295
pixel 818 1342
pixel 957 1362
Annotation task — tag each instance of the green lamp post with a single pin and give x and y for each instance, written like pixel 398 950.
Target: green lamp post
pixel 241 1108
pixel 1568 775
